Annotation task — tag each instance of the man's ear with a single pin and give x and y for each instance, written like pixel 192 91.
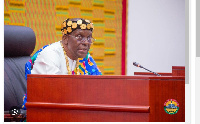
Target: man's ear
pixel 65 39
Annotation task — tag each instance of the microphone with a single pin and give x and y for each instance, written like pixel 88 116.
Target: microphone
pixel 138 65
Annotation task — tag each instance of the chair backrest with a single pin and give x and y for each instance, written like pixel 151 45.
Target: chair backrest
pixel 19 43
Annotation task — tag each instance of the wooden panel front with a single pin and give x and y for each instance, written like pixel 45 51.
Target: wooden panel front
pixel 88 89
pixel 160 92
pixel 73 98
pixel 93 90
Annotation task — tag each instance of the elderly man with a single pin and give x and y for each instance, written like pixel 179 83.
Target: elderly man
pixel 69 56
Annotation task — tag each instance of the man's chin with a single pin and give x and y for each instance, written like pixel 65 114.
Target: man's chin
pixel 82 55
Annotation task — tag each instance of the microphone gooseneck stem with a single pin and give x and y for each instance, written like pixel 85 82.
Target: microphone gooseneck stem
pixel 150 71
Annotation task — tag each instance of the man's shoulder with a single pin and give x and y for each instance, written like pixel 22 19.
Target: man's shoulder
pixel 56 47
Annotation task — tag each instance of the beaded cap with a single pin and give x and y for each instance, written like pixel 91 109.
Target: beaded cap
pixel 69 26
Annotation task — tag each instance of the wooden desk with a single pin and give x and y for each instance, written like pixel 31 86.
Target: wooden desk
pixel 73 98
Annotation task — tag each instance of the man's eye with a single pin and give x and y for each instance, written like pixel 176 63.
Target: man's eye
pixel 79 36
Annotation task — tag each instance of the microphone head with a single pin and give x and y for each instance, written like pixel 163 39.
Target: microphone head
pixel 135 64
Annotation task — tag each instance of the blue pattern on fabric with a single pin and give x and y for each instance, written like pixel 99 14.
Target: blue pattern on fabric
pixel 91 66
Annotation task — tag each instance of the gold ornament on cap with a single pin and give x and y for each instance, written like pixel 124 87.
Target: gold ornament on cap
pixel 87 21
pixel 69 29
pixel 88 26
pixel 83 26
pixel 79 22
pixel 69 23
pixel 65 31
pixel 74 25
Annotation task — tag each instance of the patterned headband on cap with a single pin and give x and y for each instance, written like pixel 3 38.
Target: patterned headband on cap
pixel 69 26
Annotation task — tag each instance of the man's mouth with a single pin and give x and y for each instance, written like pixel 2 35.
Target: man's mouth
pixel 82 50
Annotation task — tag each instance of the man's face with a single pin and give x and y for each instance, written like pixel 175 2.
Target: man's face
pixel 76 47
